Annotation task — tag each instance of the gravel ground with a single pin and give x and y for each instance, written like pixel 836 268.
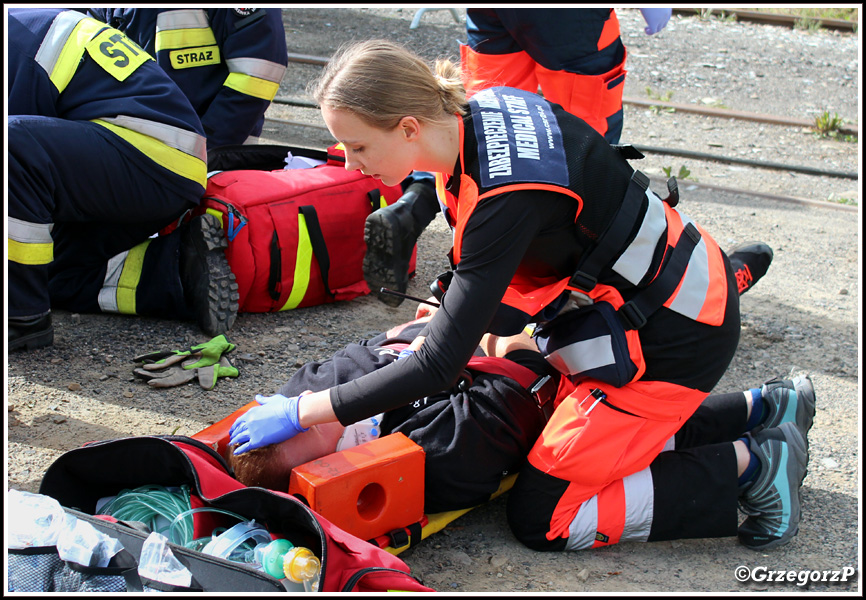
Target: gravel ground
pixel 803 317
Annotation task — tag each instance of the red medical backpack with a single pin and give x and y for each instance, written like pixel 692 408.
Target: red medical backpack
pixel 295 237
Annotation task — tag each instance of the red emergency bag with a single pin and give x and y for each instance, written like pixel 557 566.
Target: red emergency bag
pixel 295 237
pixel 80 477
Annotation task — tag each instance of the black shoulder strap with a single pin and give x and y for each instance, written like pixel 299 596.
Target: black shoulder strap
pixel 612 240
pixel 320 251
pixel 317 240
pixel 375 199
pixel 634 313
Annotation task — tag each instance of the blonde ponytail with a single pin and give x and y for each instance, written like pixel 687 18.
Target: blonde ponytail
pixel 382 82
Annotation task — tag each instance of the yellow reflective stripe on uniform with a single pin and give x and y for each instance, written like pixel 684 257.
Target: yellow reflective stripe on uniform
pixel 252 86
pixel 303 262
pixel 29 243
pixel 30 254
pixel 121 280
pixel 178 150
pixel 183 28
pixel 183 38
pixel 382 202
pixel 63 46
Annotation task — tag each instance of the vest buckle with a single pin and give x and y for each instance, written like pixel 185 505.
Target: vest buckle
pixel 543 392
pixel 631 315
pixel 582 281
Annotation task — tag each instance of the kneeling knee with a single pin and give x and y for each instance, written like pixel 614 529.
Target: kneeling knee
pixel 531 503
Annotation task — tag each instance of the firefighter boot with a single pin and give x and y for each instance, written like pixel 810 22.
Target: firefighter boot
pixel 208 282
pixel 749 263
pixel 390 234
pixel 30 333
pixel 772 498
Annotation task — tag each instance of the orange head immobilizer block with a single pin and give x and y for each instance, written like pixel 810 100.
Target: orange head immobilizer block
pixel 367 490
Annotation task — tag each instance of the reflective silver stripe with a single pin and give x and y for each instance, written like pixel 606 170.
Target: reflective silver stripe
pixel 583 355
pixel 188 142
pixel 670 444
pixel 638 488
pixel 692 295
pixel 582 530
pixel 638 493
pixel 257 67
pixel 635 261
pixel 108 292
pixel 29 233
pixel 54 41
pixel 182 19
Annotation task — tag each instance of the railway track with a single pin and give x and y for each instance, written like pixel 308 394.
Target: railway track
pixel 767 18
pixel 686 108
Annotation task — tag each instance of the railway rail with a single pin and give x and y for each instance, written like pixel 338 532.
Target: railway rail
pixel 688 108
pixel 753 16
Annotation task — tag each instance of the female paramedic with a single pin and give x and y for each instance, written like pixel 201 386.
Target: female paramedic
pixel 632 299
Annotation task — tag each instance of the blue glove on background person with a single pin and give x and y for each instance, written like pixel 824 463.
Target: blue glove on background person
pixel 656 19
pixel 275 421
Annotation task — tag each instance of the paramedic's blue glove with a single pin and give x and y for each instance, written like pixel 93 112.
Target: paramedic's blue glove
pixel 275 421
pixel 656 19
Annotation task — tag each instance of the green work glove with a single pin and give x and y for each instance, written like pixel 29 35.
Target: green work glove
pixel 207 376
pixel 180 374
pixel 205 355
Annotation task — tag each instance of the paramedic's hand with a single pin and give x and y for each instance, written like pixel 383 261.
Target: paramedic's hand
pixel 275 421
pixel 656 19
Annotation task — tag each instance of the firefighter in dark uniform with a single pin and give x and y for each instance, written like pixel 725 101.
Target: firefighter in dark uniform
pixel 228 61
pixel 636 304
pixel 104 151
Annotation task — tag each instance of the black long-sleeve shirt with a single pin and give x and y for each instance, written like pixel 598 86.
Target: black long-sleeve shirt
pixel 506 232
pixel 538 233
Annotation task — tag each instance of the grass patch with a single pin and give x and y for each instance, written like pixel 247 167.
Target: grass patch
pixel 842 14
pixel 805 18
pixel 683 174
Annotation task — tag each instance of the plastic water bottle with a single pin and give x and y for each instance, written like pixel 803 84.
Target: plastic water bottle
pixel 360 433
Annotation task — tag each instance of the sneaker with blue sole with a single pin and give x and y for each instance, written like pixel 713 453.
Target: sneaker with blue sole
pixel 789 401
pixel 772 500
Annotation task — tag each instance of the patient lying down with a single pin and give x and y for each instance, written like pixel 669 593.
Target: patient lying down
pixel 493 420
pixel 271 466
